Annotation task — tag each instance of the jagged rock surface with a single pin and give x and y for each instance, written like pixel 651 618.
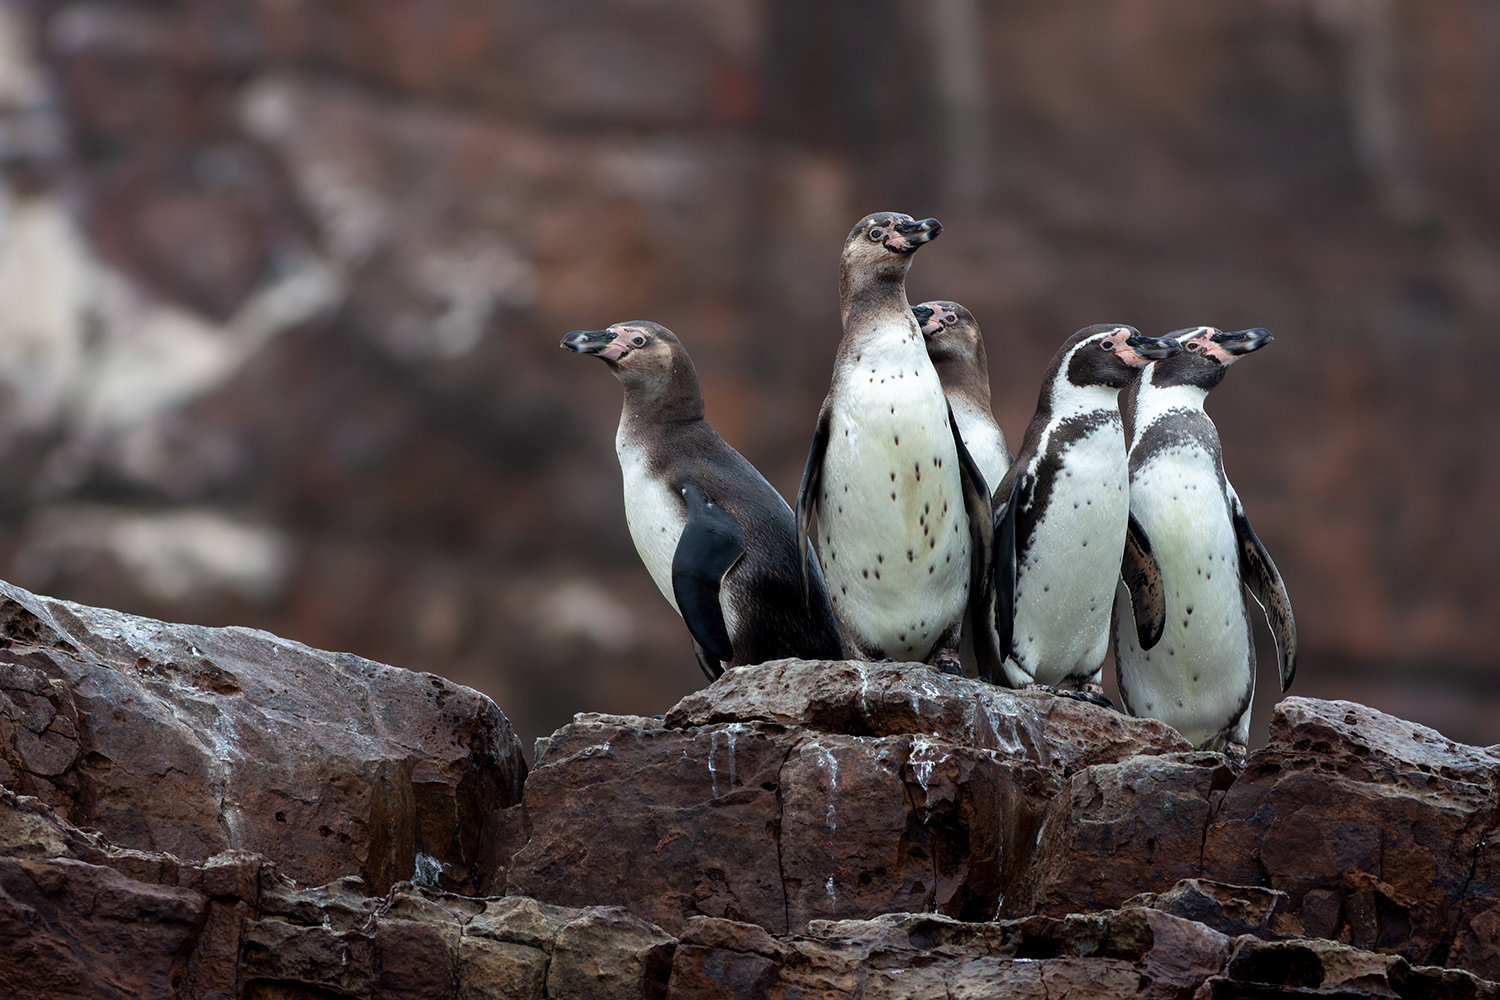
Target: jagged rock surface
pixel 796 829
pixel 194 741
pixel 796 791
pixel 82 918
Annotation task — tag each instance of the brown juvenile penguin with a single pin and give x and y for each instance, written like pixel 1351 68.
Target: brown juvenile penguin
pixel 718 539
pixel 957 352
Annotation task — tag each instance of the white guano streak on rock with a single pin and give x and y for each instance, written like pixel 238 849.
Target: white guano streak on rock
pixel 713 773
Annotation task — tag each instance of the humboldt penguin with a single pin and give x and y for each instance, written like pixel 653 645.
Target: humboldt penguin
pixel 1062 518
pixel 902 510
pixel 957 352
pixel 1200 677
pixel 718 540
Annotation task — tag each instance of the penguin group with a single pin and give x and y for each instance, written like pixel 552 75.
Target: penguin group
pixel 1113 527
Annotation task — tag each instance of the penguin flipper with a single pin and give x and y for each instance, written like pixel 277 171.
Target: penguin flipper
pixel 712 542
pixel 807 493
pixel 1260 576
pixel 1003 581
pixel 981 525
pixel 1142 575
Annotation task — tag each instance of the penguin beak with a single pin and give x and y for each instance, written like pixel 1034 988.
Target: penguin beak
pixel 926 320
pixel 601 343
pixel 1242 341
pixel 1224 347
pixel 908 234
pixel 1140 351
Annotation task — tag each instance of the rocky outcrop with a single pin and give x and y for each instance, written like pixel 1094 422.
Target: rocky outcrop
pixel 82 918
pixel 173 798
pixel 795 792
pixel 194 741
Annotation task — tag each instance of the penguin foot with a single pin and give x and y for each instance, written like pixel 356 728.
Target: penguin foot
pixel 1092 697
pixel 1237 753
pixel 947 662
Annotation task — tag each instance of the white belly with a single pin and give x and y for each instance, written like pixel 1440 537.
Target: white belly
pixel 893 533
pixel 1065 580
pixel 655 517
pixel 1197 676
pixel 983 439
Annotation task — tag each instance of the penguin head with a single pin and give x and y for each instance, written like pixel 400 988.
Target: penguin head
pixel 950 331
pixel 1206 353
pixel 640 353
pixel 1108 354
pixel 1220 347
pixel 885 241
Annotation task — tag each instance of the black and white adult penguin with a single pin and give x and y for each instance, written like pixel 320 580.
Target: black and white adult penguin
pixel 902 510
pixel 957 352
pixel 718 539
pixel 1200 677
pixel 1062 516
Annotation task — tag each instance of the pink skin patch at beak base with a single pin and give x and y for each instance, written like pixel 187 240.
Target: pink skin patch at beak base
pixel 617 349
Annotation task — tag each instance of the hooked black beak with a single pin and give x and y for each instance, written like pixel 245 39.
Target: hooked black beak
pixel 1153 348
pixel 1223 347
pixel 924 316
pixel 588 341
pixel 1243 341
pixel 910 234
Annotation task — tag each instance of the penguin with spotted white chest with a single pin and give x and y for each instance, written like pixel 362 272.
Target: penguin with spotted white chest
pixel 718 540
pixel 1062 519
pixel 902 511
pixel 1200 677
pixel 957 352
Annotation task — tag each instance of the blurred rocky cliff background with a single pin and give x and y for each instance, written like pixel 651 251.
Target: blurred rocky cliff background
pixel 282 281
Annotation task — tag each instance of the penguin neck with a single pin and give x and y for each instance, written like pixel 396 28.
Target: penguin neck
pixel 865 291
pixel 672 397
pixel 965 377
pixel 1151 402
pixel 1061 398
pixel 879 327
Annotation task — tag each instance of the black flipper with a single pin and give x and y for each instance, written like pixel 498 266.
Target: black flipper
pixel 1142 575
pixel 981 528
pixel 1259 574
pixel 711 543
pixel 807 493
pixel 992 654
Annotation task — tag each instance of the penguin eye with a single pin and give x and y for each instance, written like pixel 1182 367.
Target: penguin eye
pixel 638 341
pixel 1108 345
pixel 1195 347
pixel 877 234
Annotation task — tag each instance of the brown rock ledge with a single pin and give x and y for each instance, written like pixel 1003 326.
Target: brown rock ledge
pixel 194 741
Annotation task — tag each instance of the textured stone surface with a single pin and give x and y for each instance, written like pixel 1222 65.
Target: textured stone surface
pixel 195 741
pixel 883 699
pixel 1232 909
pixel 799 791
pixel 84 918
pixel 843 791
pixel 1120 829
pixel 1383 833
